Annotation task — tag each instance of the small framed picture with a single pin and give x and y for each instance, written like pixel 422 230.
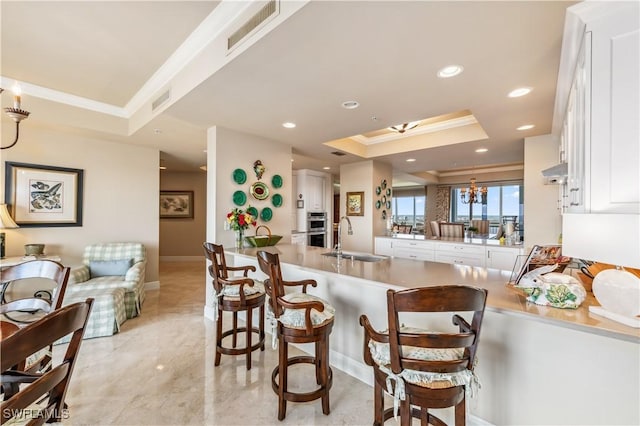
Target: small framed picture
pixel 355 203
pixel 300 204
pixel 176 204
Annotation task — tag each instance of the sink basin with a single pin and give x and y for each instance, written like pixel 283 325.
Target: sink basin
pixel 363 257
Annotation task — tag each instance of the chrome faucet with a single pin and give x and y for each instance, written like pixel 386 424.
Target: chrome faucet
pixel 349 231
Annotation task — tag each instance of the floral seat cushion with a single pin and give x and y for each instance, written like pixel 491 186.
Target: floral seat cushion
pixel 295 317
pixel 231 291
pixel 381 356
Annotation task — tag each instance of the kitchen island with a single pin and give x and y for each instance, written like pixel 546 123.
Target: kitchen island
pixel 537 365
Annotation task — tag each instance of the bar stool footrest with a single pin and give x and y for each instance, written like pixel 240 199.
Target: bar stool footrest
pixel 243 350
pixel 301 396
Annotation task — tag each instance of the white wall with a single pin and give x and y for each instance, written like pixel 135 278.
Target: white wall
pixel 542 216
pixel 181 239
pixel 120 193
pixel 228 150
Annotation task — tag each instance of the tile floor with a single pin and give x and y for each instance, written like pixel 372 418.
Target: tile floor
pixel 159 371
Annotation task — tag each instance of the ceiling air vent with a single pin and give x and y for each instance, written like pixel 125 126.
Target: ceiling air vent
pixel 269 9
pixel 160 100
pixel 338 153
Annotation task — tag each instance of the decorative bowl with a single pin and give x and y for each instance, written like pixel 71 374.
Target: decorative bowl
pixel 33 249
pixel 263 240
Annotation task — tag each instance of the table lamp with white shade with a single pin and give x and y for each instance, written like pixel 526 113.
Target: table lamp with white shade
pixel 6 222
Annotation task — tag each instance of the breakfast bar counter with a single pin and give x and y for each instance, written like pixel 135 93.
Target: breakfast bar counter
pixel 537 364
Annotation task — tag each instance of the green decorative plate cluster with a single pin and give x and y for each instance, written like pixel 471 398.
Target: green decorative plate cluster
pixel 384 198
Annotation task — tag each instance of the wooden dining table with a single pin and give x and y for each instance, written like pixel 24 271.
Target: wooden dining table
pixel 7 329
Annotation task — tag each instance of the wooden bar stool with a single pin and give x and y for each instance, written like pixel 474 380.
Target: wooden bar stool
pixel 425 368
pixel 235 294
pixel 302 318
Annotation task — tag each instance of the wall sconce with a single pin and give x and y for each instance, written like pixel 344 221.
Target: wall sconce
pixel 16 113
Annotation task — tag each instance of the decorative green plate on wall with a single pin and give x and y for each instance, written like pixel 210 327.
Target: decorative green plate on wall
pixel 253 212
pixel 266 214
pixel 276 200
pixel 239 198
pixel 239 176
pixel 276 181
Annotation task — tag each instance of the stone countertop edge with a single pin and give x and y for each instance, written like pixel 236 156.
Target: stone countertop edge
pixel 473 241
pixel 393 273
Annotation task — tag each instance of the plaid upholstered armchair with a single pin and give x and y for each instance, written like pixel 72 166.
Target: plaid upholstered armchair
pixel 111 266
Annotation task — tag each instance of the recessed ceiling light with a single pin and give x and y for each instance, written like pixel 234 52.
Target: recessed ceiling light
pixel 157 131
pixel 350 104
pixel 526 127
pixel 203 168
pixel 450 71
pixel 163 168
pixel 520 91
pixel 481 150
pixel 410 160
pixel 289 125
pixel 326 168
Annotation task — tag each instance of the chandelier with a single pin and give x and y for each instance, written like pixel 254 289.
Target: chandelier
pixel 401 128
pixel 16 113
pixel 473 194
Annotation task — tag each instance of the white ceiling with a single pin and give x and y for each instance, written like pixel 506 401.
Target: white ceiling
pixel 300 68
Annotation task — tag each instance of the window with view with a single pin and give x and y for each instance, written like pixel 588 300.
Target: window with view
pixel 502 201
pixel 409 210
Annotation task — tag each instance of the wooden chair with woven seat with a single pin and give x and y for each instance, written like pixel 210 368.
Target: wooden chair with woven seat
pixel 302 318
pixel 26 310
pixel 427 368
pixel 235 294
pixel 39 397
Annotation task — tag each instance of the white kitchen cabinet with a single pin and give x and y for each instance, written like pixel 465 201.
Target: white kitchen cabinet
pixel 504 258
pixel 602 217
pixel 615 109
pixel 576 131
pixel 310 188
pixel 460 254
pixel 414 249
pixel 315 193
pixel 600 129
pixel 383 246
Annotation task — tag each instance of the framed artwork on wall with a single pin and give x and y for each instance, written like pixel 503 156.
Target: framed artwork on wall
pixel 43 196
pixel 176 204
pixel 355 203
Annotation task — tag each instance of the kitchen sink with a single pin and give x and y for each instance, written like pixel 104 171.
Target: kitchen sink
pixel 363 257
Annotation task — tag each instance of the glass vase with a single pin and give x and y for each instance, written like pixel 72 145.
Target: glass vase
pixel 239 239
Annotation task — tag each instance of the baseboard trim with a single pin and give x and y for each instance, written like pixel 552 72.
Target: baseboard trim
pixel 181 258
pixel 152 285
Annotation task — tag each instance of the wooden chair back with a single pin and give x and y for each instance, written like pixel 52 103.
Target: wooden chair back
pixel 274 285
pixel 452 230
pixel 46 269
pixel 269 263
pixel 448 298
pixel 50 386
pixel 218 268
pixel 482 225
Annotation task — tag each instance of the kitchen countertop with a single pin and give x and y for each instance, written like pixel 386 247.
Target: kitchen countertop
pixel 475 241
pixel 404 273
